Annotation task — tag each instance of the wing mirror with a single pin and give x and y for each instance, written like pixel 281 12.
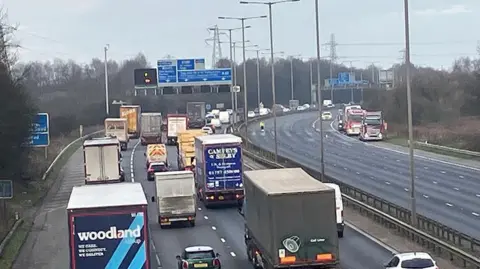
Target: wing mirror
pixel 178 257
pixel 153 199
pixel 145 154
pixel 217 255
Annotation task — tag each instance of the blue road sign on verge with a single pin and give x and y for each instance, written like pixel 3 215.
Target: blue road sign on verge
pixel 208 106
pixel 40 131
pixel 6 189
pixel 213 75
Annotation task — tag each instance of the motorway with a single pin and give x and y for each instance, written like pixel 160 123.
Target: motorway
pixel 447 191
pixel 222 229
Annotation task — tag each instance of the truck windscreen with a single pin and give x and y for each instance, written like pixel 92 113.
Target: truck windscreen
pixel 373 121
pixel 355 118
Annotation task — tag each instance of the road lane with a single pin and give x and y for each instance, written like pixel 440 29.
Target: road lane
pixel 171 241
pixel 448 193
pixel 47 244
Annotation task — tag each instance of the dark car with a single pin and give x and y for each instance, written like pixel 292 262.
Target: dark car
pixel 155 168
pixel 199 257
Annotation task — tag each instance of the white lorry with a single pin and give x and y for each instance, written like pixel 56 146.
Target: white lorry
pixel 118 128
pixel 175 123
pixel 224 117
pixel 151 132
pixel 176 198
pixel 102 160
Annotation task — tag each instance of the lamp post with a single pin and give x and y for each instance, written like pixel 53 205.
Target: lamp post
pixel 319 89
pixel 107 105
pixel 270 4
pixel 235 70
pixel 258 74
pixel 291 73
pixel 409 112
pixel 231 59
pixel 243 19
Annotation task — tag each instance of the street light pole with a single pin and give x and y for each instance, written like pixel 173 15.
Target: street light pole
pixel 270 4
pixel 107 105
pixel 291 75
pixel 258 79
pixel 319 89
pixel 410 120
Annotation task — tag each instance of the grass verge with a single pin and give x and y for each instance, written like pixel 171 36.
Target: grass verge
pixel 402 141
pixel 15 244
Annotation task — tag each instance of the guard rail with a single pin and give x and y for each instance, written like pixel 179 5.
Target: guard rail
pixel 49 170
pixel 427 145
pixel 433 235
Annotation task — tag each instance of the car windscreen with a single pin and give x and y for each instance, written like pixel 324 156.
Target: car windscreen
pixel 417 263
pixel 200 255
pixel 158 168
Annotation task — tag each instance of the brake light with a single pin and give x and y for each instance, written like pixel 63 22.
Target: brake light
pixel 185 265
pixel 325 257
pixel 150 170
pixel 216 262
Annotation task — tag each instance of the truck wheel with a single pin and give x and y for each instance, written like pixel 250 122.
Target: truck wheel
pixel 340 234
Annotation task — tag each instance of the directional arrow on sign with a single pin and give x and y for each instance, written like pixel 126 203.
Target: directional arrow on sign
pixel 204 79
pixel 167 80
pixel 186 80
pixel 223 78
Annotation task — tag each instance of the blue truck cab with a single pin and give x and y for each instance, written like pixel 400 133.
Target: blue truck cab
pixel 108 227
pixel 218 170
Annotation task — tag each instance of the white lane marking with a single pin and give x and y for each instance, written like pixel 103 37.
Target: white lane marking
pixel 386 182
pixel 233 254
pixel 223 240
pixel 457 189
pixel 199 209
pixel 406 153
pixel 156 255
pixel 475 214
pixel 358 173
pixel 443 172
pixel 214 228
pixel 205 217
pixel 425 196
pixel 448 204
pixel 132 157
pixel 478 195
pixel 406 189
pixel 425 167
pixel 398 160
pixel 461 176
pixel 434 182
pixel 346 169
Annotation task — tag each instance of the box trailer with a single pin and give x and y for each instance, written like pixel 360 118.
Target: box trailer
pixel 290 220
pixel 118 128
pixel 196 114
pixel 108 227
pixel 218 169
pixel 132 114
pixel 102 160
pixel 175 123
pixel 151 132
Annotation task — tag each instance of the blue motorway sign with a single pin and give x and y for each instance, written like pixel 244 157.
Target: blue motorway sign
pixel 167 71
pixel 6 189
pixel 213 75
pixel 40 131
pixel 344 78
pixel 190 64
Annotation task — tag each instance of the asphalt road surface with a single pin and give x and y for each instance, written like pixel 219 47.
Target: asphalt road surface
pixel 447 190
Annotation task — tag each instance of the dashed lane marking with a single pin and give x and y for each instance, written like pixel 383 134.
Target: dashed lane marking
pixel 132 158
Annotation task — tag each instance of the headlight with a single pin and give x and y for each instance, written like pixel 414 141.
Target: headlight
pixel 366 135
pixel 380 135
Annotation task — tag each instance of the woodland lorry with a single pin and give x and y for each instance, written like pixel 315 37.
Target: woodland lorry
pixel 132 114
pixel 218 169
pixel 151 132
pixel 290 220
pixel 175 197
pixel 175 123
pixel 102 222
pixel 196 114
pixel 117 128
pixel 102 160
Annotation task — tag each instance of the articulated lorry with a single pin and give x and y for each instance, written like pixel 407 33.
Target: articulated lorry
pixel 151 132
pixel 373 126
pixel 106 229
pixel 186 148
pixel 290 220
pixel 102 160
pixel 218 169
pixel 175 196
pixel 117 128
pixel 175 123
pixel 196 114
pixel 132 114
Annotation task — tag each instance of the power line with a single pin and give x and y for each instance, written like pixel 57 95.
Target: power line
pixel 402 44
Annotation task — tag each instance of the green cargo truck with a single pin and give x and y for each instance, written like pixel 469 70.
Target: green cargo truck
pixel 290 220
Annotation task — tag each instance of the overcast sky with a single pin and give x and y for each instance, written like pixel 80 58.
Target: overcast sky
pixel 441 30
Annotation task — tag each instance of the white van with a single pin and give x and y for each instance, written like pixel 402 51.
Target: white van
pixel 339 204
pixel 216 123
pixel 224 117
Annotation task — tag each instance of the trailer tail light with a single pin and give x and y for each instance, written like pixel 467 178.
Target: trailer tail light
pixel 325 257
pixel 185 265
pixel 150 170
pixel 288 259
pixel 216 263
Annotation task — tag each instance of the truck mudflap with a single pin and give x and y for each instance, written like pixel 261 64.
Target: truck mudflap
pixel 168 220
pixel 223 197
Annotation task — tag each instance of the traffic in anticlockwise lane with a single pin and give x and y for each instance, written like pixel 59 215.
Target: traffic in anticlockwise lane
pixel 447 192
